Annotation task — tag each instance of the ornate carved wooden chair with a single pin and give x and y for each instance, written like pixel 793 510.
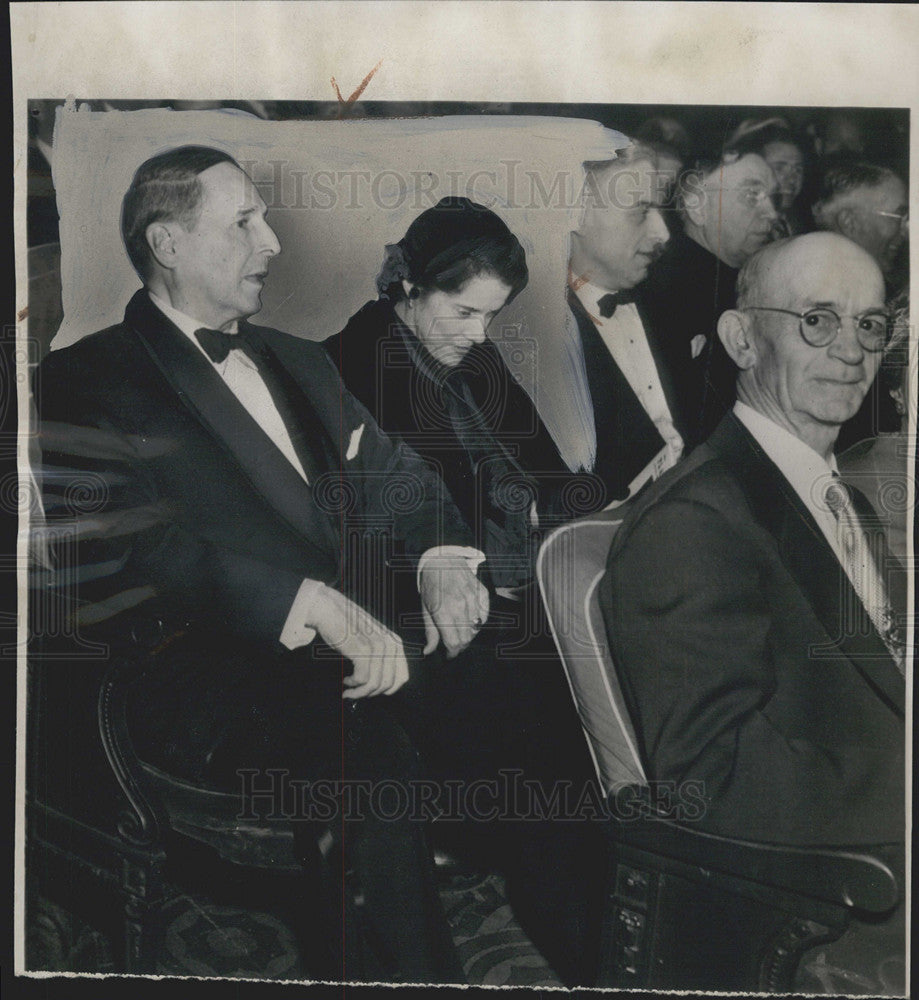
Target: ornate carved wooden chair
pixel 111 839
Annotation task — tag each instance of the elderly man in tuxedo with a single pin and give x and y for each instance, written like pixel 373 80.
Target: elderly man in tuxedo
pixel 754 614
pixel 230 462
pixel 632 410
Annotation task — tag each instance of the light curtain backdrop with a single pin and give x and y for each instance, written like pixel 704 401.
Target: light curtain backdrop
pixel 338 192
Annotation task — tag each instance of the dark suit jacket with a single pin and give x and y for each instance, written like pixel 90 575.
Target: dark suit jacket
pixel 627 439
pixel 724 611
pixel 484 462
pixel 187 512
pixel 685 293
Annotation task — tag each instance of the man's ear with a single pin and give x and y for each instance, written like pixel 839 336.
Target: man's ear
pixel 161 240
pixel 694 196
pixel 847 221
pixel 735 330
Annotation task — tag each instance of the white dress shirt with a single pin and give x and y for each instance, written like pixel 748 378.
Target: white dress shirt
pixel 807 473
pixel 624 336
pixel 244 381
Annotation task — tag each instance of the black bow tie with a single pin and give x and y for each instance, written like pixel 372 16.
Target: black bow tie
pixel 607 303
pixel 217 344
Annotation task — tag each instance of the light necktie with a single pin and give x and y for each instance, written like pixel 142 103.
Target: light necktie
pixel 862 569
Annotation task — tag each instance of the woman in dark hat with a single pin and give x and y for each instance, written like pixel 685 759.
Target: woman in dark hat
pixel 419 359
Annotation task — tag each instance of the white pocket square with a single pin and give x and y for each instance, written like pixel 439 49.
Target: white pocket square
pixel 354 443
pixel 697 344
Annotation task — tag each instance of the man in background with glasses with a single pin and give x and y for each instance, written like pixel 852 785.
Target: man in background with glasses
pixel 870 205
pixel 752 608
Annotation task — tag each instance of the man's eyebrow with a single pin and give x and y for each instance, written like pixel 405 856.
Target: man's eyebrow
pixel 829 304
pixel 242 212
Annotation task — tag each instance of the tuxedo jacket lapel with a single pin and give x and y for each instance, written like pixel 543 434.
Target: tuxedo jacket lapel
pixel 809 558
pixel 244 442
pixel 323 453
pixel 627 439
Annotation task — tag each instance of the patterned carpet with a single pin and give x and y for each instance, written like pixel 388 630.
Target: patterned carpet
pixel 491 945
pixel 204 939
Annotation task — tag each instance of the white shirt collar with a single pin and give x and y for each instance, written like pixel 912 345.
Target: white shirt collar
pixel 185 323
pixel 797 461
pixel 590 295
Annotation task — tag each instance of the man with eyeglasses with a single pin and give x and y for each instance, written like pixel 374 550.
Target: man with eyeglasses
pixel 869 204
pixel 727 211
pixel 754 613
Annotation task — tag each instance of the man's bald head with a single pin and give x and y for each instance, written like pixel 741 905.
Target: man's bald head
pixel 809 390
pixel 769 271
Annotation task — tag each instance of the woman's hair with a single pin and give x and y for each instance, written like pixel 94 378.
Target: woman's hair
pixel 447 245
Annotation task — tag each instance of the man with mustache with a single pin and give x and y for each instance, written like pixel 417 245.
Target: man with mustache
pixel 234 472
pixel 631 413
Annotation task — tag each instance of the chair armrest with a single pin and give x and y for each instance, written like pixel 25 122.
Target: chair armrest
pixel 861 878
pixel 144 823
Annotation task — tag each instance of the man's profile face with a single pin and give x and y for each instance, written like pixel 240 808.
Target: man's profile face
pixel 881 235
pixel 223 259
pixel 817 386
pixel 622 230
pixel 736 209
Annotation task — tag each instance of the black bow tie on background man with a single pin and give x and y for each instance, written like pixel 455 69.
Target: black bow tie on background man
pixel 607 303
